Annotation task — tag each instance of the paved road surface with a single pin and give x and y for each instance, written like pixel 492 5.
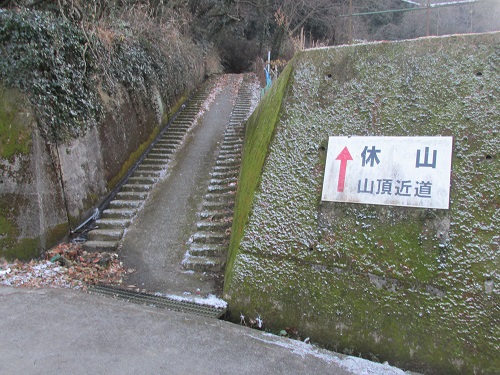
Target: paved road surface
pixel 58 331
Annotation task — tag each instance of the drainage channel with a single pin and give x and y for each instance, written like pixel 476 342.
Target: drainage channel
pixel 159 301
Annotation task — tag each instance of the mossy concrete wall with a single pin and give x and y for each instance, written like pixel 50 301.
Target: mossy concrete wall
pixel 49 188
pixel 77 109
pixel 32 214
pixel 417 287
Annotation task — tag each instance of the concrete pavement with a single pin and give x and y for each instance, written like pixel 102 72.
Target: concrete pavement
pixel 60 331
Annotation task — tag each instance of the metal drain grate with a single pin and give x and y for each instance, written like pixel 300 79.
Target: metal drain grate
pixel 157 301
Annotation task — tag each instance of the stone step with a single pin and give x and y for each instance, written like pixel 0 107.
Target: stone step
pixel 226 169
pixel 225 174
pixel 105 234
pixel 216 206
pixel 142 180
pixel 229 137
pixel 218 197
pixel 221 188
pixel 173 135
pixel 207 225
pixel 202 264
pixel 118 213
pixel 189 109
pixel 155 173
pixel 228 161
pixel 232 147
pixel 228 157
pixel 224 181
pixel 216 215
pixel 149 161
pixel 230 153
pixel 145 168
pixel 180 126
pixel 185 117
pixel 137 187
pixel 166 144
pixel 132 195
pixel 207 250
pixel 125 203
pixel 209 237
pixel 165 147
pixel 101 246
pixel 233 141
pixel 158 154
pixel 234 131
pixel 174 132
pixel 112 223
pixel 180 121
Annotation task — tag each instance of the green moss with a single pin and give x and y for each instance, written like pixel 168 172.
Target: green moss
pixel 260 129
pixel 400 284
pixel 6 228
pixel 12 244
pixel 175 108
pixel 134 156
pixel 56 234
pixel 15 131
pixel 11 247
pixel 25 249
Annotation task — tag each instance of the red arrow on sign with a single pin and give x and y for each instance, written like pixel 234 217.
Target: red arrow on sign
pixel 344 156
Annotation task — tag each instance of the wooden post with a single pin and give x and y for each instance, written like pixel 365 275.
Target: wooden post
pixel 350 21
pixel 428 17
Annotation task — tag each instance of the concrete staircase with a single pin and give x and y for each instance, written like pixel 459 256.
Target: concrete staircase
pixel 111 226
pixel 209 243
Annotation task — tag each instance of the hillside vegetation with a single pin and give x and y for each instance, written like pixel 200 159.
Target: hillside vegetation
pixel 84 92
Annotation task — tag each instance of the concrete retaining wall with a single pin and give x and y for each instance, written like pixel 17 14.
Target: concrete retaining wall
pixel 419 288
pixel 48 189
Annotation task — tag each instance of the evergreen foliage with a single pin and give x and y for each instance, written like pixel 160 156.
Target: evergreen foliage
pixel 49 59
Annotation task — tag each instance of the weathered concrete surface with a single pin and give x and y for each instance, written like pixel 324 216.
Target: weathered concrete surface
pixel 50 188
pixel 32 214
pixel 49 331
pixel 96 114
pixel 156 241
pixel 420 287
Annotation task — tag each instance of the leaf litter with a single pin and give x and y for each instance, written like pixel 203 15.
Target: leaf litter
pixel 67 265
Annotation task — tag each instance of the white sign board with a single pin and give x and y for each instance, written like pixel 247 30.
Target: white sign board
pixel 395 171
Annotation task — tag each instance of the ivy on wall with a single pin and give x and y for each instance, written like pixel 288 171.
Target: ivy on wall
pixel 49 59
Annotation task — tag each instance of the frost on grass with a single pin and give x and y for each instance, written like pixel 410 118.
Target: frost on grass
pixel 436 270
